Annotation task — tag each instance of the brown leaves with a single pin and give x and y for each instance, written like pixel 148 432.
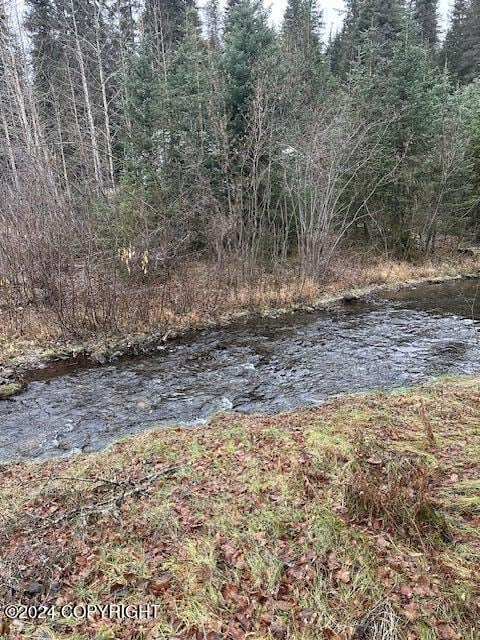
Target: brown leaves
pixel 422 587
pixel 412 611
pixel 232 555
pixel 343 576
pixel 233 632
pixel 233 597
pixel 338 570
pixel 331 635
pixel 160 585
pixel 331 561
pixel 406 591
pixel 272 595
pixel 447 632
pixel 307 617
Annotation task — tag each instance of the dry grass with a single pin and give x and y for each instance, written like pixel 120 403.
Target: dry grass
pixel 394 493
pixel 197 295
pixel 241 529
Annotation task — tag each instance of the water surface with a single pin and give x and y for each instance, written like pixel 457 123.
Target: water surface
pixel 267 365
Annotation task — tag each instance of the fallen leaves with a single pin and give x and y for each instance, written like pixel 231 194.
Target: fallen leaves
pixel 278 630
pixel 422 586
pixel 343 576
pixel 412 611
pixel 447 632
pixel 328 634
pixel 248 546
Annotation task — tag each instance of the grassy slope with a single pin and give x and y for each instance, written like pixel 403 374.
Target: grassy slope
pixel 263 527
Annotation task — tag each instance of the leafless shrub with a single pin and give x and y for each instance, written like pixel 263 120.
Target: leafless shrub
pixel 321 167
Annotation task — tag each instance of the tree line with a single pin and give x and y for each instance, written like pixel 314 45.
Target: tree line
pixel 135 134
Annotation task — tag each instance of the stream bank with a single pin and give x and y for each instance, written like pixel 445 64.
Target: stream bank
pixel 266 364
pixel 37 361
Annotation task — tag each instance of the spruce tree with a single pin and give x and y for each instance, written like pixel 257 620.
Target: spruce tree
pixel 343 47
pixel 301 35
pixel 380 21
pixel 453 52
pixel 48 57
pixel 165 24
pixel 405 92
pixel 302 28
pixel 126 10
pixel 248 42
pixel 473 159
pixel 377 22
pixel 213 23
pixel 425 14
pixel 188 89
pixel 470 59
pixel 143 111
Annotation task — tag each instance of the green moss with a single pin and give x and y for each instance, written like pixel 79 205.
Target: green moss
pixel 9 390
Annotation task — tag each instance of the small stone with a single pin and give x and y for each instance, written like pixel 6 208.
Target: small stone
pixel 99 358
pixel 34 587
pixel 56 585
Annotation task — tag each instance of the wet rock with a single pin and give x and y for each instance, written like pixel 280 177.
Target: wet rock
pixel 99 358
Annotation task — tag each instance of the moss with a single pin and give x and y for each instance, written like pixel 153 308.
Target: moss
pixel 10 389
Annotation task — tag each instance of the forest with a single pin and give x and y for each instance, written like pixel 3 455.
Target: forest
pixel 151 149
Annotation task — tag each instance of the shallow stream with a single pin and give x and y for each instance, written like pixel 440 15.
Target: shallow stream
pixel 262 365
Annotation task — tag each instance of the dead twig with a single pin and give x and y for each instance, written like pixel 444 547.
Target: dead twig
pixel 427 424
pixel 129 488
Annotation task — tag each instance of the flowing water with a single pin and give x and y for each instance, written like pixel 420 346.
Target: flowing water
pixel 262 365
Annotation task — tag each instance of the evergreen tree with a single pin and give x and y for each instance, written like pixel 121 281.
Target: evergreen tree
pixel 190 172
pixel 302 28
pixel 469 185
pixel 165 23
pixel 377 22
pixel 453 52
pixel 143 110
pixel 380 21
pixel 213 23
pixel 470 59
pixel 248 43
pixel 188 92
pixel 425 14
pixel 125 10
pixel 48 57
pixel 343 47
pixel 406 93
